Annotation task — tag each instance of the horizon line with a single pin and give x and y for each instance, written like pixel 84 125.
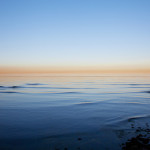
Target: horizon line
pixel 76 70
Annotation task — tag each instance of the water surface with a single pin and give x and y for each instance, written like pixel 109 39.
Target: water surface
pixel 71 112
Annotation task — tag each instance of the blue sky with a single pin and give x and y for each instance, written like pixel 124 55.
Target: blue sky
pixel 75 33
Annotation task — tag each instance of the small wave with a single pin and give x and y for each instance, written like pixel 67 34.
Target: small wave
pixel 147 92
pixel 139 84
pixel 129 119
pixel 132 84
pixel 8 92
pixel 14 87
pixel 35 84
pixel 2 87
pixel 110 93
pixel 86 103
pixel 137 118
pixel 68 93
pixel 139 103
pixel 61 92
pixel 139 87
pixel 17 87
pixel 71 88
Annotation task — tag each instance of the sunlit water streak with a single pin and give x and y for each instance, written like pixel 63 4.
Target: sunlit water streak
pixel 73 112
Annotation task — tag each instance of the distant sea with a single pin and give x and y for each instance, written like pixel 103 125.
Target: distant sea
pixel 72 112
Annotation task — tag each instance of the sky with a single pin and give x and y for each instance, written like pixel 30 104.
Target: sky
pixel 74 35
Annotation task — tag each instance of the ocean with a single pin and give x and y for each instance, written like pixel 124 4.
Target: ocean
pixel 72 112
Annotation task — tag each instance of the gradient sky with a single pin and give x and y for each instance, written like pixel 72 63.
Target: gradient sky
pixel 110 34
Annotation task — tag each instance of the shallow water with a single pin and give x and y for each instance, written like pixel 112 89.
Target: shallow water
pixel 71 112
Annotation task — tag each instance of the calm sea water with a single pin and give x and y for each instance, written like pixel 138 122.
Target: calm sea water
pixel 71 112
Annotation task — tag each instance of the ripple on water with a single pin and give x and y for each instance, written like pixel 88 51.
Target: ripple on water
pixel 9 92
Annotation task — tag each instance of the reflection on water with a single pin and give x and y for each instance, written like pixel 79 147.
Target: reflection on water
pixel 71 112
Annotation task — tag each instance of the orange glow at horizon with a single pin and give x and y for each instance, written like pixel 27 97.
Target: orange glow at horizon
pixel 68 70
